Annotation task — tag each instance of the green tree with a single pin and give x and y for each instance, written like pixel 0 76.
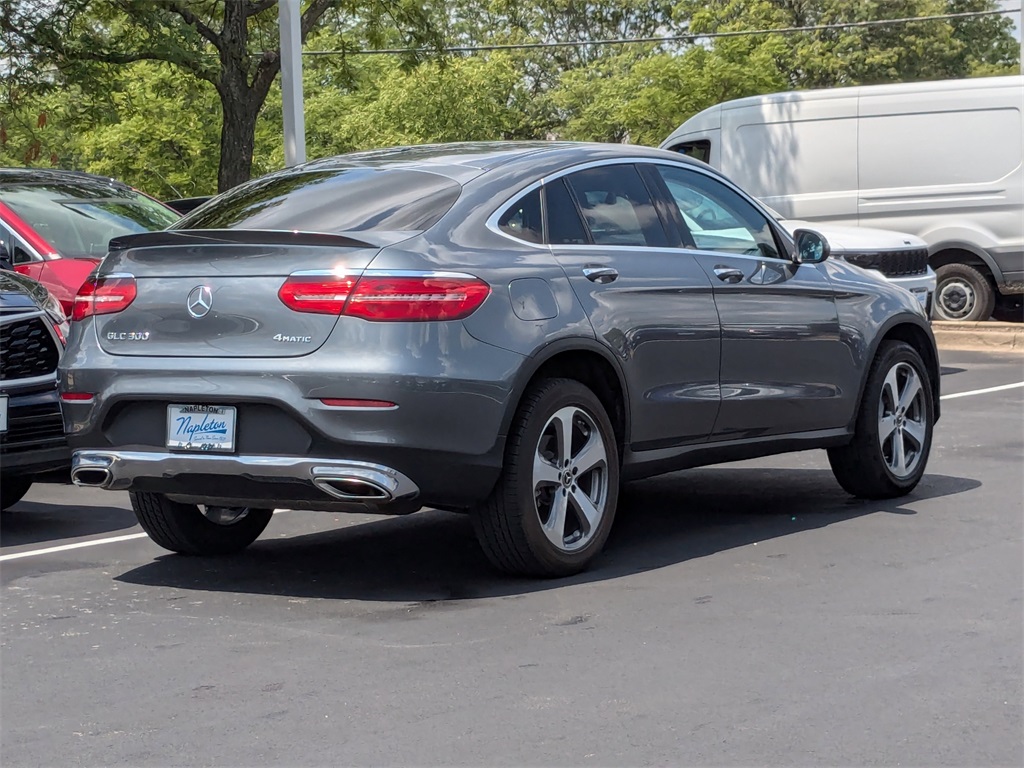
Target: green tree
pixel 230 44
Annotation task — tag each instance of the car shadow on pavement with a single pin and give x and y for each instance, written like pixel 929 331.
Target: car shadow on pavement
pixel 433 556
pixel 35 522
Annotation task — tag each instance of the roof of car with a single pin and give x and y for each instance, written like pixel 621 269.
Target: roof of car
pixel 12 176
pixel 463 160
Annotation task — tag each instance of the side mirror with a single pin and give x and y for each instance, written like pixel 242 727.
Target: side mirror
pixel 6 263
pixel 811 247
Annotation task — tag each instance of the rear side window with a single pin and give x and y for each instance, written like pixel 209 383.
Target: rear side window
pixel 332 200
pixel 523 219
pixel 617 207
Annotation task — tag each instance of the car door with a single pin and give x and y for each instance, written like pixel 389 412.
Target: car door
pixel 785 368
pixel 650 303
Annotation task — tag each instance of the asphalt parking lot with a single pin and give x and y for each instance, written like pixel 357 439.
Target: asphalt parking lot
pixel 747 614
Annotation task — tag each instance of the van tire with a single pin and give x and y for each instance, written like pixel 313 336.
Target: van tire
pixel 963 294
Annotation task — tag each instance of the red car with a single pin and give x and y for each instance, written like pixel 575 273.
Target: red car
pixel 56 224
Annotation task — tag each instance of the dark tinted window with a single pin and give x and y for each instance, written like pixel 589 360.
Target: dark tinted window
pixel 718 219
pixel 335 200
pixel 79 219
pixel 698 150
pixel 565 227
pixel 617 207
pixel 523 219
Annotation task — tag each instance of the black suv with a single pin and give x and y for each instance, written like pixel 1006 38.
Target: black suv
pixel 32 333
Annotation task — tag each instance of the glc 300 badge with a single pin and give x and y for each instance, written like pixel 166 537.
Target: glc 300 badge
pixel 128 336
pixel 200 301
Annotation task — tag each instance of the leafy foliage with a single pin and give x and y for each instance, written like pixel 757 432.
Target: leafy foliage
pixel 181 97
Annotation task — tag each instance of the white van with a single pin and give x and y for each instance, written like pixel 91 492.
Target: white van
pixel 940 160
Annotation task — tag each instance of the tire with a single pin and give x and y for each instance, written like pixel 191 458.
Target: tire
pixel 519 526
pixel 187 530
pixel 870 465
pixel 12 490
pixel 963 293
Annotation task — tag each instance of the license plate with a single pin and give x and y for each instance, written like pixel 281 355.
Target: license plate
pixel 3 413
pixel 922 296
pixel 201 427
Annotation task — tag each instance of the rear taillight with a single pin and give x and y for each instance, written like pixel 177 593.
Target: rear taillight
pixel 103 296
pixel 387 296
pixel 320 294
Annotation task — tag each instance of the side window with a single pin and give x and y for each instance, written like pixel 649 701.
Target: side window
pixel 523 219
pixel 565 227
pixel 698 150
pixel 617 207
pixel 19 253
pixel 718 218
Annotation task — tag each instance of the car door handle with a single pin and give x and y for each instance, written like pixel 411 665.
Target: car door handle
pixel 600 274
pixel 728 274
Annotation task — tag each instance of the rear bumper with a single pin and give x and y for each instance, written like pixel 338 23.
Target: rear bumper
pixel 345 481
pixel 443 439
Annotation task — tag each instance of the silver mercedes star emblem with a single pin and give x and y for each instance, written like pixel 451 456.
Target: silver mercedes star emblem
pixel 200 300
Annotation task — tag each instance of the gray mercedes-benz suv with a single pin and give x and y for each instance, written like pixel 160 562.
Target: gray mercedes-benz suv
pixel 509 330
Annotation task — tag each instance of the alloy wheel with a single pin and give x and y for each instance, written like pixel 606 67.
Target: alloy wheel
pixel 224 515
pixel 570 478
pixel 902 420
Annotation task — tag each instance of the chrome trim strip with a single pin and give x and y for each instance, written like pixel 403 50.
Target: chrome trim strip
pixel 9 383
pixel 126 466
pixel 382 273
pixel 492 220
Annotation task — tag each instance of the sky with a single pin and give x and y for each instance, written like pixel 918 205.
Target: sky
pixel 1014 16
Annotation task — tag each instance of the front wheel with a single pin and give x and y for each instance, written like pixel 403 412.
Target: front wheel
pixel 553 507
pixel 893 436
pixel 191 530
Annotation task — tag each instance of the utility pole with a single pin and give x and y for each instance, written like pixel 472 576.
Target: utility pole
pixel 291 82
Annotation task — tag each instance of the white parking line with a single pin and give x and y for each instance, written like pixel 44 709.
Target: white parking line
pixel 130 536
pixel 66 547
pixel 81 544
pixel 982 391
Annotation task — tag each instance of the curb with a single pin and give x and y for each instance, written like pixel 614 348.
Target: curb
pixel 999 337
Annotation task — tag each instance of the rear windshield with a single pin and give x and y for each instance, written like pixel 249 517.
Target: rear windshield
pixel 80 219
pixel 338 200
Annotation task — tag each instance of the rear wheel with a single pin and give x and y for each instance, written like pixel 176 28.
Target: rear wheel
pixel 893 437
pixel 12 490
pixel 963 293
pixel 553 507
pixel 192 530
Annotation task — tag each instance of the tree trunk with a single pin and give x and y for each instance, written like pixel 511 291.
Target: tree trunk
pixel 238 131
pixel 237 138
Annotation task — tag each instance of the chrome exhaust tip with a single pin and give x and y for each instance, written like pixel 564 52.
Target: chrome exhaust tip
pixel 91 477
pixel 352 489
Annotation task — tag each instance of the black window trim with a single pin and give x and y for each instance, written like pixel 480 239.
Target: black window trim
pixel 781 236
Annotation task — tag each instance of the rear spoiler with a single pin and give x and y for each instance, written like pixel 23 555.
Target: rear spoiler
pixel 233 236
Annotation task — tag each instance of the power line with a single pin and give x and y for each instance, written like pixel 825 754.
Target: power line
pixel 664 39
